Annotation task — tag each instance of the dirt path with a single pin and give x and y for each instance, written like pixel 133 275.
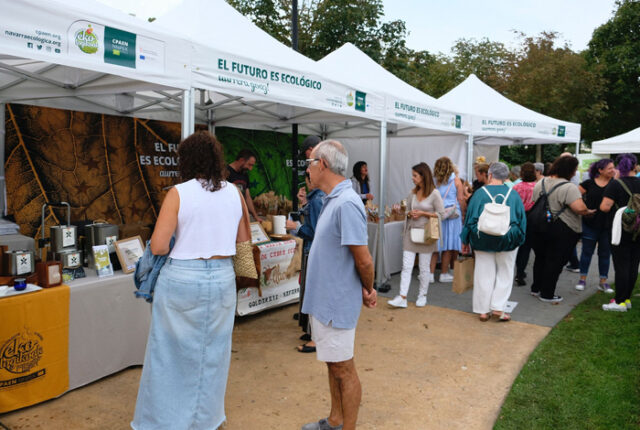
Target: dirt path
pixel 424 368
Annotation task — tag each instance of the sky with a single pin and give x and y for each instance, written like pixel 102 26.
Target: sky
pixel 435 25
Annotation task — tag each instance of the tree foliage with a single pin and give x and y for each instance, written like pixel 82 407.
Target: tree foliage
pixel 598 88
pixel 614 50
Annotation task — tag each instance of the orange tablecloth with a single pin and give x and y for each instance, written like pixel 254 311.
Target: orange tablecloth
pixel 34 347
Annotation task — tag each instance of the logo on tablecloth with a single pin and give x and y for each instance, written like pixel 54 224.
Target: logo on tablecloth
pixel 22 352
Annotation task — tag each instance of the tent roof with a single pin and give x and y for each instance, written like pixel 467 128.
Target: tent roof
pixel 496 120
pixel 413 110
pixel 626 142
pixel 255 81
pixel 41 62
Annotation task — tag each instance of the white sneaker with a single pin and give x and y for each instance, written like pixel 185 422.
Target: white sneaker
pixel 446 277
pixel 615 307
pixel 580 285
pixel 398 302
pixel 432 278
pixel 627 303
pixel 421 302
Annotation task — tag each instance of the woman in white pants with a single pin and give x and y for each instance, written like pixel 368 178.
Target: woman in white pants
pixel 495 255
pixel 424 202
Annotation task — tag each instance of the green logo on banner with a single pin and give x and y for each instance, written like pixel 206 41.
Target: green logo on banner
pixel 119 47
pixel 350 98
pixel 458 121
pixel 561 130
pixel 361 101
pixel 86 41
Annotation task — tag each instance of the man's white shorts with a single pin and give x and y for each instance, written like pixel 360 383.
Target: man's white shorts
pixel 333 345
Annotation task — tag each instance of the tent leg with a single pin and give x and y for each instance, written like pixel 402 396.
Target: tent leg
pixel 538 153
pixel 294 168
pixel 211 125
pixel 381 283
pixel 3 184
pixel 188 113
pixel 470 158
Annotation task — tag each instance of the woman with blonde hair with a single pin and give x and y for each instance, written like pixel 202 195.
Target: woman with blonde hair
pixel 424 202
pixel 452 193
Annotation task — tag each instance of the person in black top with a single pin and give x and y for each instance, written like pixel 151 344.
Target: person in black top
pixel 597 229
pixel 239 176
pixel 481 171
pixel 626 255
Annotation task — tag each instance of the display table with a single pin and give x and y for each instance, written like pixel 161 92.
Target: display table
pixel 107 329
pixel 392 255
pixel 279 278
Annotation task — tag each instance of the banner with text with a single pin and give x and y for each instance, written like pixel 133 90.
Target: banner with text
pixel 278 278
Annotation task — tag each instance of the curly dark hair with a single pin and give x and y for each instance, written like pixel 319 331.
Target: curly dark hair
pixel 564 167
pixel 201 157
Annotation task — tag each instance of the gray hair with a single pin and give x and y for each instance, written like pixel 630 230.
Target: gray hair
pixel 516 170
pixel 334 154
pixel 499 171
pixel 539 167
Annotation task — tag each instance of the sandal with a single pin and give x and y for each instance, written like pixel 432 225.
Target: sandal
pixel 485 317
pixel 306 348
pixel 504 317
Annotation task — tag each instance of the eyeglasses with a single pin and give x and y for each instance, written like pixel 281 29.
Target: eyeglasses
pixel 311 160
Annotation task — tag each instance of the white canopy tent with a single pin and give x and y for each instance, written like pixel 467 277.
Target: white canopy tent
pixel 247 79
pixel 496 120
pixel 419 129
pixel 82 55
pixel 251 80
pixel 626 142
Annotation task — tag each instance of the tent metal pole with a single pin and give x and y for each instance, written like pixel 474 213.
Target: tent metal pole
pixel 381 282
pixel 294 168
pixel 3 184
pixel 470 158
pixel 211 125
pixel 188 120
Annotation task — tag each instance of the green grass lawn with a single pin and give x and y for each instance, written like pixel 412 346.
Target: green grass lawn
pixel 584 375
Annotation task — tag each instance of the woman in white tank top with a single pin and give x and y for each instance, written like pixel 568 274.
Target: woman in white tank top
pixel 186 364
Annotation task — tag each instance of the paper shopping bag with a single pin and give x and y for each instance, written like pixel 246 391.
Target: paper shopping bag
pixel 432 231
pixel 463 275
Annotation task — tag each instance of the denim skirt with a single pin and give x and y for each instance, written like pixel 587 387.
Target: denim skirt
pixel 186 363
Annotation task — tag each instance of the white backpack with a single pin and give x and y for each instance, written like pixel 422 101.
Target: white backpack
pixel 495 219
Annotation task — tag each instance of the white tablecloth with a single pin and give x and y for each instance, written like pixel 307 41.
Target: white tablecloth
pixel 108 327
pixel 392 261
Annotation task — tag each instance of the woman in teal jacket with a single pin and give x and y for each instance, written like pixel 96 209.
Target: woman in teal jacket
pixel 495 255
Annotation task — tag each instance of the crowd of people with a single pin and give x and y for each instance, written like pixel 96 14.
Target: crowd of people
pixel 186 365
pixel 572 211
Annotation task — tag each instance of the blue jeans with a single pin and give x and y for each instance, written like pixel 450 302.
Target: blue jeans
pixel 590 237
pixel 186 364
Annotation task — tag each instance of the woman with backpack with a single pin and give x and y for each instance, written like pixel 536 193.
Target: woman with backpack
pixel 596 230
pixel 495 253
pixel 621 192
pixel 555 236
pixel 424 202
